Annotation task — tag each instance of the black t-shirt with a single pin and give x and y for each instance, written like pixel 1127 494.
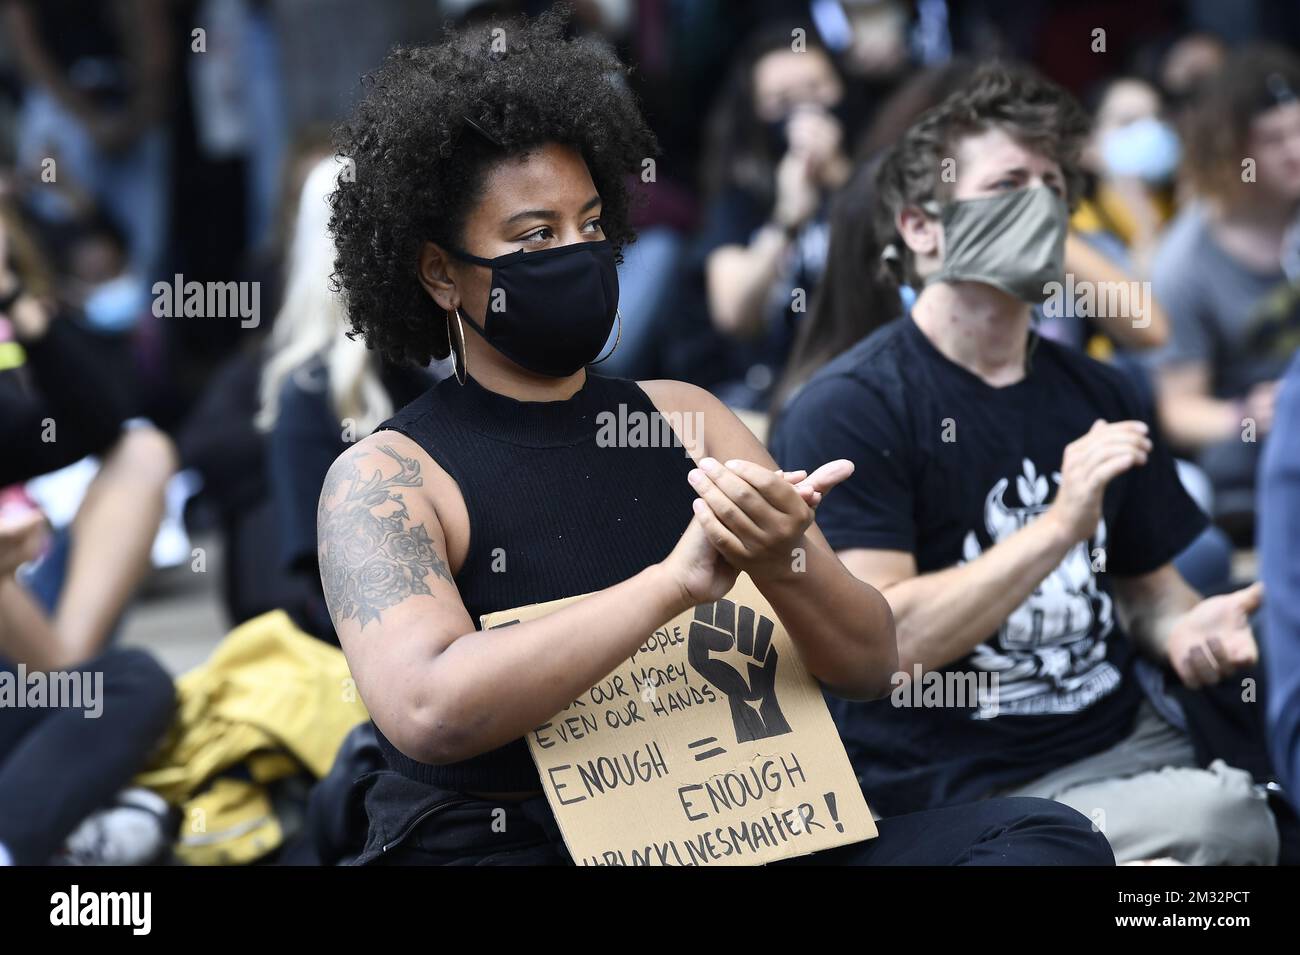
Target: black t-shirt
pixel 947 466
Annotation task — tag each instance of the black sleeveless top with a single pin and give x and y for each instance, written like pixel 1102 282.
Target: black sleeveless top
pixel 564 498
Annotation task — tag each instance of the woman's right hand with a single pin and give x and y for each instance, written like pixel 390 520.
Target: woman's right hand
pixel 702 574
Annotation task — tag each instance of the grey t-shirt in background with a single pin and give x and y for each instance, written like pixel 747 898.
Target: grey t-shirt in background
pixel 1243 324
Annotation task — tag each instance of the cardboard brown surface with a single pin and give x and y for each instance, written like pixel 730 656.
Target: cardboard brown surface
pixel 710 745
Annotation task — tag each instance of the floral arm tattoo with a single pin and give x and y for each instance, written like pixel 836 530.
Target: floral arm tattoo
pixel 372 555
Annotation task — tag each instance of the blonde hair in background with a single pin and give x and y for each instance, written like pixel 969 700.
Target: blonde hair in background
pixel 312 322
pixel 18 245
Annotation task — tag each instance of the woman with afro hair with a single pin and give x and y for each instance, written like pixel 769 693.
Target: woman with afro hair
pixel 481 213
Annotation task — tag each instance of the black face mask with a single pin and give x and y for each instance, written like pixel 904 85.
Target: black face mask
pixel 550 311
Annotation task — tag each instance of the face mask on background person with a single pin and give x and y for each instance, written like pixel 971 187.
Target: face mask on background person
pixel 116 305
pixel 1014 242
pixel 549 311
pixel 1146 148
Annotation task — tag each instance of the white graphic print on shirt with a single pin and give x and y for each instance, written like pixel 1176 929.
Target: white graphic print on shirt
pixel 1050 654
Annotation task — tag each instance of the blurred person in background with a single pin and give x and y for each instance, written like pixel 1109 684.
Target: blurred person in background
pixel 58 404
pixel 320 391
pixel 1130 162
pixel 95 98
pixel 850 302
pixel 89 255
pixel 1129 156
pixel 95 277
pixel 777 150
pixel 63 764
pixel 1221 273
pixel 60 772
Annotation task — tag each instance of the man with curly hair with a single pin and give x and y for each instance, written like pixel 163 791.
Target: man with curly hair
pixel 484 217
pixel 1017 510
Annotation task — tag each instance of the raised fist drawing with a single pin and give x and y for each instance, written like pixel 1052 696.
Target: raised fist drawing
pixel 718 628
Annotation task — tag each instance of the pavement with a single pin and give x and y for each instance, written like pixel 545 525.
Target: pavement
pixel 178 616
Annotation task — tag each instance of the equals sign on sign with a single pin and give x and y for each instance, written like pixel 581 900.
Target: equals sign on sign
pixel 709 753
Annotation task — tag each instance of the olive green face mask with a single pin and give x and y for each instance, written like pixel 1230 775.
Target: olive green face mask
pixel 1014 242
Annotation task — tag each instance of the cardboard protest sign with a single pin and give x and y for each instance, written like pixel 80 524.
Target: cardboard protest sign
pixel 710 745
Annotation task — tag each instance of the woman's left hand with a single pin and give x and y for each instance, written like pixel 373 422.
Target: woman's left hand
pixel 756 517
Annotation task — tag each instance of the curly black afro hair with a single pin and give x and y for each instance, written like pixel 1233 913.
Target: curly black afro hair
pixel 418 164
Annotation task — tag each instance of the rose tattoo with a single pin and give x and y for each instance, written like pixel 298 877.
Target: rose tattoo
pixel 371 554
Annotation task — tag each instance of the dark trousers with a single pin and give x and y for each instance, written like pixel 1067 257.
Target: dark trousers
pixel 412 823
pixel 57 766
pixel 1007 831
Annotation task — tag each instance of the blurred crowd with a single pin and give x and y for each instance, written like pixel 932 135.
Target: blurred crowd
pixel 173 360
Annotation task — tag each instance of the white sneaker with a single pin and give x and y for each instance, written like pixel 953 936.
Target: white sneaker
pixel 133 831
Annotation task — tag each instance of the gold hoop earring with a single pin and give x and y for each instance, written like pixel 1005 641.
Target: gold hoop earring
pixel 460 368
pixel 618 316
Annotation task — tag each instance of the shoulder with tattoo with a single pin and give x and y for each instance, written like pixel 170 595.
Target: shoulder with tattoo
pixel 373 554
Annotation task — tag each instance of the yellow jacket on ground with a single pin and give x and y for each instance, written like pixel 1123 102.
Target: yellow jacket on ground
pixel 270 701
